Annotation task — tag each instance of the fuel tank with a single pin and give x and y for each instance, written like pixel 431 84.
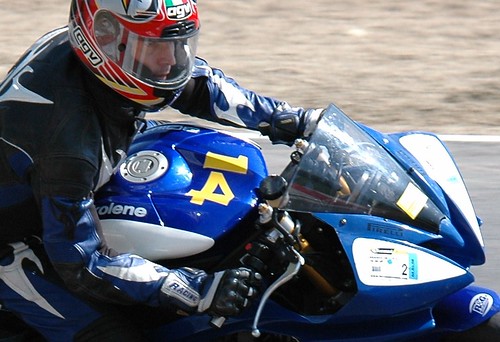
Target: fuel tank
pixel 180 189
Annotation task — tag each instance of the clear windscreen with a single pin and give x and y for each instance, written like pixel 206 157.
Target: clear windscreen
pixel 344 170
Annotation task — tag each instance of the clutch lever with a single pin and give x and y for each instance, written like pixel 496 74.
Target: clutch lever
pixel 292 269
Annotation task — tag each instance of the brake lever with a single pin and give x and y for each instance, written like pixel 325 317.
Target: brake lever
pixel 292 269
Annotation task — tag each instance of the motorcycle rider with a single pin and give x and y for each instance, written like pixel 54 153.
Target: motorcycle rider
pixel 69 109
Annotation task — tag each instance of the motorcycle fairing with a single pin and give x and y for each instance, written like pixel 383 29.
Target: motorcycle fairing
pixel 153 242
pixel 439 165
pixel 386 263
pixel 437 162
pixel 350 169
pixel 389 266
pixel 432 166
pixel 381 192
pixel 208 187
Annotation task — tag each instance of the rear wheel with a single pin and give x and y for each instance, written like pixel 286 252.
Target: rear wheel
pixel 488 331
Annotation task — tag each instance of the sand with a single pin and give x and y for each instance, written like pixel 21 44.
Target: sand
pixel 395 65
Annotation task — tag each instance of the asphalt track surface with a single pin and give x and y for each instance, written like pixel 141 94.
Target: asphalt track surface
pixel 479 163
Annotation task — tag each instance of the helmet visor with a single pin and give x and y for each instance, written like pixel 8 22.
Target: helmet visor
pixel 164 63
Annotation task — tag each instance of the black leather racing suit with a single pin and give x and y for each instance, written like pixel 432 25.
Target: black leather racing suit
pixel 62 134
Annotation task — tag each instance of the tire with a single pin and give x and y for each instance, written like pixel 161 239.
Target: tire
pixel 488 331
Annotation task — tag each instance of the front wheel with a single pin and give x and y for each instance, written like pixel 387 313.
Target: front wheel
pixel 488 331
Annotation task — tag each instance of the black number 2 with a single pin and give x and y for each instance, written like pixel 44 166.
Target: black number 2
pixel 405 269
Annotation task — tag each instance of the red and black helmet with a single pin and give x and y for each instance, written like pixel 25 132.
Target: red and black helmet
pixel 143 49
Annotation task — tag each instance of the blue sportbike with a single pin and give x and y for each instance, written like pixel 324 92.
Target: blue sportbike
pixel 363 236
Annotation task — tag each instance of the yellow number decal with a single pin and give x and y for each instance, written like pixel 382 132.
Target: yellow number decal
pixel 216 188
pixel 226 163
pixel 215 181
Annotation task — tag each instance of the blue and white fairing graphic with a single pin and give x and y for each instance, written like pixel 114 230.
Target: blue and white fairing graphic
pixel 180 189
pixel 395 229
pixel 428 161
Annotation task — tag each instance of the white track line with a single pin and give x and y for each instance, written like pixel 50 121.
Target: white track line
pixel 470 138
pixel 444 137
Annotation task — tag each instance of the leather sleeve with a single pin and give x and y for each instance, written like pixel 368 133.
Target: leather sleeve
pixel 75 247
pixel 212 95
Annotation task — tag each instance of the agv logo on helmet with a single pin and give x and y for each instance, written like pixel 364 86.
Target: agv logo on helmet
pixel 87 49
pixel 178 9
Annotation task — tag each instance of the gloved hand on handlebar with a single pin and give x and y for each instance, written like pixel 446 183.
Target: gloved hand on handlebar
pixel 288 124
pixel 230 292
pixel 225 293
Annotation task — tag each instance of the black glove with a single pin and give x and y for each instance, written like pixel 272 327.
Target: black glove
pixel 224 293
pixel 229 292
pixel 288 124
